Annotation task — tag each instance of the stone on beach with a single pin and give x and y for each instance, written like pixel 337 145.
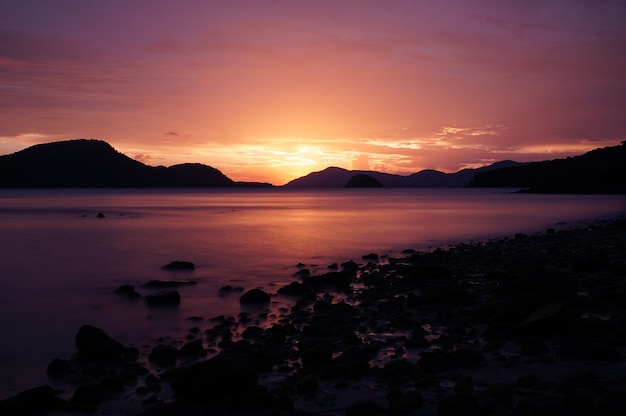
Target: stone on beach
pixel 179 265
pixel 164 299
pixel 94 343
pixel 255 296
pixel 212 380
pixel 38 400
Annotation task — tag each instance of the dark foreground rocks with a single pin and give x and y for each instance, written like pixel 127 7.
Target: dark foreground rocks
pixel 527 325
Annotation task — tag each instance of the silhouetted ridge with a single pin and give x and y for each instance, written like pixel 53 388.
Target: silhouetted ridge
pixel 361 180
pixel 598 171
pixel 334 177
pixel 92 163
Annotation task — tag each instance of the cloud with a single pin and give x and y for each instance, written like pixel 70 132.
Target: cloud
pixel 361 162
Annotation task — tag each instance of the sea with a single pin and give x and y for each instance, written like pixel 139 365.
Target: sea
pixel 60 262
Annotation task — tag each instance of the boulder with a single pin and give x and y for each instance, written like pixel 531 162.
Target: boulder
pixel 365 408
pixel 94 343
pixel 59 366
pixel 164 355
pixel 165 298
pixel 37 400
pixel 228 289
pixel 212 380
pixel 255 297
pixel 179 265
pixel 193 349
pixel 128 291
pixel 317 356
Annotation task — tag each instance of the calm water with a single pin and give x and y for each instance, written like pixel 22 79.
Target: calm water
pixel 60 264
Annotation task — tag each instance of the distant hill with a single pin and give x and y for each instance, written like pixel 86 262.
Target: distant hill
pixel 334 177
pixel 363 181
pixel 600 171
pixel 86 163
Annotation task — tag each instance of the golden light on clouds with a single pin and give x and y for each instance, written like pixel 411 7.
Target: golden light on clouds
pixel 270 91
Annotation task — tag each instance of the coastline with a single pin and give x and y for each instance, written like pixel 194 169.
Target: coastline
pixel 527 323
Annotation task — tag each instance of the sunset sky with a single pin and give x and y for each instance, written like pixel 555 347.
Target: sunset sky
pixel 272 90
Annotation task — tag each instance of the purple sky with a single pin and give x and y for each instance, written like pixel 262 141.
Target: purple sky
pixel 272 90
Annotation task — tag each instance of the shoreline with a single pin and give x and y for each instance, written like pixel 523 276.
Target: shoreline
pixel 525 323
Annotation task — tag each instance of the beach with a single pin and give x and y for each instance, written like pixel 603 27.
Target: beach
pixel 527 324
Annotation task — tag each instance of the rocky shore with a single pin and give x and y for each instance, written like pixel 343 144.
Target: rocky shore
pixel 525 325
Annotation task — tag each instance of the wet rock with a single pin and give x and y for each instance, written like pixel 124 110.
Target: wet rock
pixel 330 280
pixel 403 403
pixel 317 356
pixel 193 349
pixel 212 380
pixel 461 404
pixel 128 291
pixel 100 215
pixel 94 343
pixel 350 266
pixel 166 299
pixel 365 408
pixel 33 401
pixel 309 383
pixel 59 367
pixel 93 394
pixel 228 289
pixel 302 273
pixel 164 355
pixel 437 361
pixel 370 257
pixel 177 265
pixel 298 289
pixel 255 297
pixel 579 346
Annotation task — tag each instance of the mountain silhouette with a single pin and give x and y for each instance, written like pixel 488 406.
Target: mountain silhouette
pixel 334 177
pixel 361 180
pixel 88 163
pixel 600 171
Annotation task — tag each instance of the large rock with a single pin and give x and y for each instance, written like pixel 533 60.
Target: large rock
pixel 165 298
pixel 34 401
pixel 212 380
pixel 255 297
pixel 94 343
pixel 179 265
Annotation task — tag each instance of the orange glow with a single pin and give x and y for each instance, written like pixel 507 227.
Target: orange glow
pixel 272 91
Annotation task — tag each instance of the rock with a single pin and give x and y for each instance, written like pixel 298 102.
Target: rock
pixel 193 349
pixel 128 291
pixel 370 257
pixel 317 356
pixel 100 215
pixel 179 265
pixel 404 403
pixel 91 394
pixel 165 298
pixel 302 273
pixel 365 408
pixel 461 404
pixel 212 380
pixel 228 289
pixel 94 343
pixel 298 289
pixel 59 367
pixel 308 384
pixel 33 401
pixel 255 296
pixel 164 355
